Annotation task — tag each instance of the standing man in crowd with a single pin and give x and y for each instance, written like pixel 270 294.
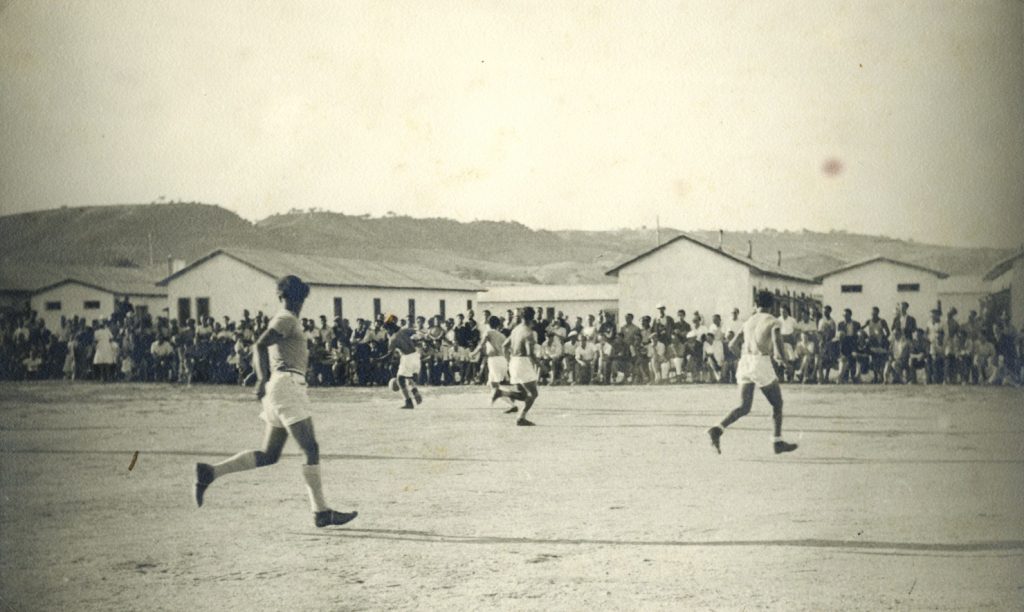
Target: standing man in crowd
pixel 827 330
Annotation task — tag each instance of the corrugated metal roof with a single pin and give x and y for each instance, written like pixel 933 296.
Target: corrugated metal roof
pixel 877 258
pixel 763 268
pixel 338 272
pixel 550 293
pixel 33 277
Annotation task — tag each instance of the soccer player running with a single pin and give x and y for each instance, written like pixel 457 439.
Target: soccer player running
pixel 282 357
pixel 760 338
pixel 522 366
pixel 400 340
pixel 492 344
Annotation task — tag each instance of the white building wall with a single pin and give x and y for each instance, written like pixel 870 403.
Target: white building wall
pixel 72 298
pixel 230 285
pixel 684 275
pixel 799 290
pixel 965 293
pixel 571 308
pixel 879 282
pixel 155 305
pixel 357 302
pixel 1013 279
pixel 233 287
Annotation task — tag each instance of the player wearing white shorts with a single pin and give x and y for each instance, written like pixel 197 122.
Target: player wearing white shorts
pixel 283 356
pixel 522 366
pixel 761 335
pixel 492 344
pixel 400 340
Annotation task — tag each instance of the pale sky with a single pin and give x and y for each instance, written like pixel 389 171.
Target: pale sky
pixel 897 118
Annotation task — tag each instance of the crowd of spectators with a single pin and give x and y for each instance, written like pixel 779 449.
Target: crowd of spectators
pixel 659 349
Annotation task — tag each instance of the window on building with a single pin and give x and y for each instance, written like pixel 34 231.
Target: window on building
pixel 440 307
pixel 91 305
pixel 412 309
pixel 908 287
pixel 184 310
pixel 469 305
pixel 53 305
pixel 202 307
pixel 376 307
pixel 551 313
pixel 338 311
pixel 851 288
pixel 141 311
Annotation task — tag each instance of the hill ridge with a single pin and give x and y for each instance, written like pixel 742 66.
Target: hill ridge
pixel 487 251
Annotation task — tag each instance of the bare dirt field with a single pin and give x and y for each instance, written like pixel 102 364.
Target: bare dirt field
pixel 898 498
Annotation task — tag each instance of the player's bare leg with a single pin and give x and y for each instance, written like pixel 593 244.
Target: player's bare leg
pixel 530 389
pixel 273 441
pixel 774 395
pixel 407 392
pixel 497 394
pixel 519 394
pixel 746 400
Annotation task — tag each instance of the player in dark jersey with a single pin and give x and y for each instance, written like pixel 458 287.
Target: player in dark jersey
pixel 401 340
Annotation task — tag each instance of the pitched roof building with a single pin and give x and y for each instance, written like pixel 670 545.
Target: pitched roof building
pixel 227 282
pixel 688 273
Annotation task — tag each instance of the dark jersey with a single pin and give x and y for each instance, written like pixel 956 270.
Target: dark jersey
pixel 402 340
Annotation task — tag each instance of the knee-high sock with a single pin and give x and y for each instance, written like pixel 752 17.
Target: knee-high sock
pixel 245 460
pixel 311 474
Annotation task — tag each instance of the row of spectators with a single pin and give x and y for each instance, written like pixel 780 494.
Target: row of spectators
pixel 661 349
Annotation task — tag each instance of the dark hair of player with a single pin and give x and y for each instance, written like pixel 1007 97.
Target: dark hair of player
pixel 494 322
pixel 292 288
pixel 765 299
pixel 528 314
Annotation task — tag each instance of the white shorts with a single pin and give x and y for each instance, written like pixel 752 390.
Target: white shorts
pixel 409 365
pixel 521 371
pixel 286 401
pixel 757 369
pixel 497 369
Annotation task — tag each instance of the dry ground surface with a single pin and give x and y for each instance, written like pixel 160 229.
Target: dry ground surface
pixel 898 498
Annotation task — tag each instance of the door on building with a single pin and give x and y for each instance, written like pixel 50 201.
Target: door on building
pixel 202 307
pixel 184 310
pixel 998 303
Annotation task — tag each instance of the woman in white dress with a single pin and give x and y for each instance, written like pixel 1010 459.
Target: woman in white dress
pixel 105 355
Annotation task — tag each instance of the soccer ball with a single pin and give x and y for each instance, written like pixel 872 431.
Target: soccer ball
pixel 393 383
